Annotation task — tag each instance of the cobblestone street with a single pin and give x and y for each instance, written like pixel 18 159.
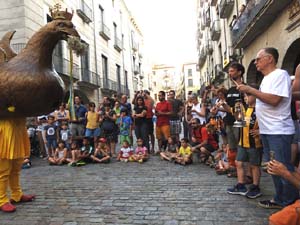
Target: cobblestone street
pixel 156 192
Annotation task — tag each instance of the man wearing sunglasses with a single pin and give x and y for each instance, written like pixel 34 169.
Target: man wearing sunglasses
pixel 276 126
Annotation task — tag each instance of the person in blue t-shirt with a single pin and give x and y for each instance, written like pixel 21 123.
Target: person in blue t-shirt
pixel 125 124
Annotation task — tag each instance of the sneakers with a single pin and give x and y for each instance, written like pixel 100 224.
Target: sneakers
pixel 269 204
pixel 8 207
pixel 254 192
pixel 239 189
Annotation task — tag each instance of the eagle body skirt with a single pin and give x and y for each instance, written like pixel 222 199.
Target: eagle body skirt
pixel 14 140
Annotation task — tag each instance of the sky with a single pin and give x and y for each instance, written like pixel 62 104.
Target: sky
pixel 169 29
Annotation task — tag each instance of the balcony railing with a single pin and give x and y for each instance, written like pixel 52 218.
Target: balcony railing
pixel 202 57
pixel 125 90
pixel 226 7
pixel 207 17
pixel 104 31
pixel 213 2
pixel 209 47
pixel 255 19
pixel 18 47
pixel 90 77
pixel 85 12
pixel 118 44
pixel 136 69
pixel 109 84
pixel 135 45
pixel 215 32
pixel 62 66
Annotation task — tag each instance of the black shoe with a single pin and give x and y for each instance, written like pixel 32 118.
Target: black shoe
pixel 269 204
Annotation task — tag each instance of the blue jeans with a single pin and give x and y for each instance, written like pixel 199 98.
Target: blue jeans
pixel 141 131
pixel 285 192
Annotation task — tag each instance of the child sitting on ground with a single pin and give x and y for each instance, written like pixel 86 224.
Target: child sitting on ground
pixel 141 152
pixel 125 152
pixel 222 162
pixel 76 153
pixel 184 155
pixel 171 151
pixel 60 155
pixel 101 154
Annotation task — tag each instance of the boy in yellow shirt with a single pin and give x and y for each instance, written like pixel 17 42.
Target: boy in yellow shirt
pixel 185 153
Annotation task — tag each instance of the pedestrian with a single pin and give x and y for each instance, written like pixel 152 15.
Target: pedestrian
pixel 250 151
pixel 176 116
pixel 77 124
pixel 101 153
pixel 140 121
pixel 236 72
pixel 92 128
pixel 60 155
pixel 149 103
pixel 171 150
pixel 141 152
pixel 50 135
pixel 275 122
pixel 125 152
pixel 163 110
pixel 184 155
pixel 125 124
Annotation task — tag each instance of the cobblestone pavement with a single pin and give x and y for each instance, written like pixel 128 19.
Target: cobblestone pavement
pixel 156 192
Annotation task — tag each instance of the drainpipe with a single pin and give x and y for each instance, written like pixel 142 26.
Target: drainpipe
pixel 95 52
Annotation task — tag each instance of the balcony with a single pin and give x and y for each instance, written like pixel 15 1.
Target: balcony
pixel 125 90
pixel 85 12
pixel 18 47
pixel 62 66
pixel 256 18
pixel 89 79
pixel 118 44
pixel 136 69
pixel 209 47
pixel 109 85
pixel 213 2
pixel 202 57
pixel 226 7
pixel 215 32
pixel 135 45
pixel 104 32
pixel 207 17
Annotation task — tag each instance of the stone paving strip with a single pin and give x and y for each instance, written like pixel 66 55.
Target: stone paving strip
pixel 155 192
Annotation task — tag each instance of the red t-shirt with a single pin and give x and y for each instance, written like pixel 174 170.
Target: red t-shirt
pixel 163 106
pixel 201 135
pixel 149 105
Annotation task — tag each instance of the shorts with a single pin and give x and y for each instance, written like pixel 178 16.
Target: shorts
pixel 251 155
pixel 150 125
pixel 111 136
pixel 209 148
pixel 51 143
pixel 287 216
pixel 125 138
pixel 163 131
pixel 231 157
pixel 175 127
pixel 232 134
pixel 92 132
pixel 100 156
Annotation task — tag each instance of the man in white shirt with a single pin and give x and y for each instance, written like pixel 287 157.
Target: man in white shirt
pixel 273 107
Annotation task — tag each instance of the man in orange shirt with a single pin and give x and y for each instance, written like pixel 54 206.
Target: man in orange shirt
pixel 163 111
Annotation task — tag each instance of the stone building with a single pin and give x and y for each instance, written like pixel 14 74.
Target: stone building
pixel 192 80
pixel 112 64
pixel 235 30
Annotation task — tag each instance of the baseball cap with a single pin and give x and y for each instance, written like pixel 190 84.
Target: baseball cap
pixel 102 140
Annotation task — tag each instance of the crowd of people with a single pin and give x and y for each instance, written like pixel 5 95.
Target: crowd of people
pixel 235 131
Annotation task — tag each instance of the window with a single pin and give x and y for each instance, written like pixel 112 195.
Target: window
pixel 104 70
pixel 190 82
pixel 85 65
pixel 115 31
pixel 190 72
pixel 101 14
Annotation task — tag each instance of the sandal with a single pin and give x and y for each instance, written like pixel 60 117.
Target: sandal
pixel 232 174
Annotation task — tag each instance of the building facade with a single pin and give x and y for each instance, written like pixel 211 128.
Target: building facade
pixel 112 63
pixel 191 78
pixel 235 30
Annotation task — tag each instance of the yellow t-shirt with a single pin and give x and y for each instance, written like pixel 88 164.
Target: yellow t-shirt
pixel 185 151
pixel 92 120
